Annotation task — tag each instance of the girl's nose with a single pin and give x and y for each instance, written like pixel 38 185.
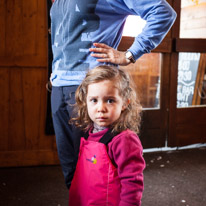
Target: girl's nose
pixel 101 107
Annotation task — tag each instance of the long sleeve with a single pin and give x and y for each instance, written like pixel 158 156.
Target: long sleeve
pixel 126 152
pixel 159 17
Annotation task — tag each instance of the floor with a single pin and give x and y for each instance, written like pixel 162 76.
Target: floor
pixel 175 178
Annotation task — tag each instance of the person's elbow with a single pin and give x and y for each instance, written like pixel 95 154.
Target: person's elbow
pixel 173 15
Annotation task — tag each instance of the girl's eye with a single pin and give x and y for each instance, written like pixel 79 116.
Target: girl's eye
pixel 93 100
pixel 110 101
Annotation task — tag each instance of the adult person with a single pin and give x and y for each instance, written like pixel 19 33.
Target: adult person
pixel 86 34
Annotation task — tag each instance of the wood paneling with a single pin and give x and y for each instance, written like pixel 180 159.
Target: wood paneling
pixel 3 27
pixel 190 134
pixel 4 109
pixel 23 33
pixel 23 76
pixel 28 158
pixel 22 119
pixel 165 46
pixel 16 117
pixel 190 45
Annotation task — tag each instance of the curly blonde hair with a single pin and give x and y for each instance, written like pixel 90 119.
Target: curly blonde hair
pixel 130 117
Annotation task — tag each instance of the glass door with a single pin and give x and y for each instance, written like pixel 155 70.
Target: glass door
pixel 171 81
pixel 188 78
pixel 151 77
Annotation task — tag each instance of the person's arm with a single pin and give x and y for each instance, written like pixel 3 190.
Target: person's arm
pixel 159 16
pixel 127 155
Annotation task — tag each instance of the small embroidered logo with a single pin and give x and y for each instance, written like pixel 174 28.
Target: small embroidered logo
pixel 93 159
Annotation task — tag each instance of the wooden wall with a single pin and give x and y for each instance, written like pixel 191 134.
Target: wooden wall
pixel 23 75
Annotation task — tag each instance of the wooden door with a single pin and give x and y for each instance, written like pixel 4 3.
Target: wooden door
pixel 187 123
pixel 23 76
pixel 171 125
pixel 154 130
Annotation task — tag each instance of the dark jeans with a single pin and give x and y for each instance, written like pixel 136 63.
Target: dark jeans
pixel 67 136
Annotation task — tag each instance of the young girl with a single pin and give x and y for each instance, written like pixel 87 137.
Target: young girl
pixel 110 165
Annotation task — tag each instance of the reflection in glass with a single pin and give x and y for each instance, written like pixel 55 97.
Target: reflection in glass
pixel 191 86
pixel 146 76
pixel 193 19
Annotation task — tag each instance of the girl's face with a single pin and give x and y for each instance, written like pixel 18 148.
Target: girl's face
pixel 104 104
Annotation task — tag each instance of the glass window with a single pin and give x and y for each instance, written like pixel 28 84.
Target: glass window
pixel 191 86
pixel 133 26
pixel 193 19
pixel 146 76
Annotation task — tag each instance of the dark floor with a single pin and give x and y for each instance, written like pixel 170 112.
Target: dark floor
pixel 176 178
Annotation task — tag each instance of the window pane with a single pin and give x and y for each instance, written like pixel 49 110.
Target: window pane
pixel 133 26
pixel 146 75
pixel 191 86
pixel 193 19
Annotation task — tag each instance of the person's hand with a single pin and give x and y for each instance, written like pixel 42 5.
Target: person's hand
pixel 105 53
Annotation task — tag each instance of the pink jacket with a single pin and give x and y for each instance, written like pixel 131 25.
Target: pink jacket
pixel 108 175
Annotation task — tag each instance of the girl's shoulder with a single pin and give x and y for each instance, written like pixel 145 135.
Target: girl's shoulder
pixel 126 137
pixel 124 145
pixel 127 133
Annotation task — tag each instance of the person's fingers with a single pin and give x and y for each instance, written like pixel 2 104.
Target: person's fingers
pixel 99 55
pixel 104 60
pixel 102 45
pixel 98 50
